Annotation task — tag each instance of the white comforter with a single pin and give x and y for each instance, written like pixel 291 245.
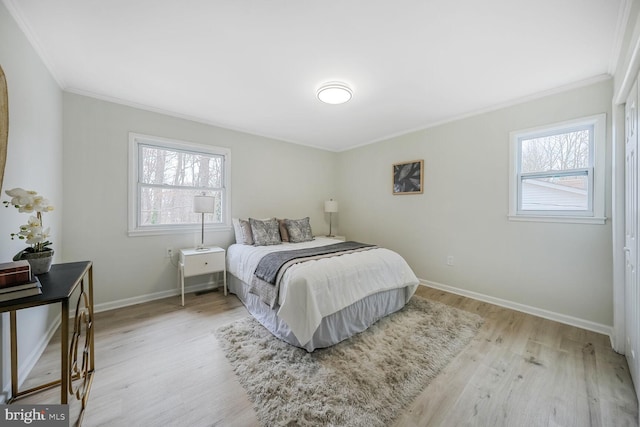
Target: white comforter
pixel 314 289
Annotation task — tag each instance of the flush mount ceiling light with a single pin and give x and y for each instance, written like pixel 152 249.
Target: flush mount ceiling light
pixel 334 93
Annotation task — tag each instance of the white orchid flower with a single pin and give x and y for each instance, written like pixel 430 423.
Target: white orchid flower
pixel 26 208
pixel 28 229
pixel 45 233
pixel 40 204
pixel 17 192
pixel 29 201
pixel 34 239
pixel 34 221
pixel 21 197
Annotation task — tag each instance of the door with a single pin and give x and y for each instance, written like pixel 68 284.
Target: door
pixel 632 296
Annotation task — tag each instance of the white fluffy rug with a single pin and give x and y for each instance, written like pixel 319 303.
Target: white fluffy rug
pixel 363 381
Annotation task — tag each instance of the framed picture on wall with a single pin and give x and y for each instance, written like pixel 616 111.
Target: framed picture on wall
pixel 408 177
pixel 4 124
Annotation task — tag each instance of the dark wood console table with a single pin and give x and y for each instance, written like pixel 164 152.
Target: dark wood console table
pixel 77 364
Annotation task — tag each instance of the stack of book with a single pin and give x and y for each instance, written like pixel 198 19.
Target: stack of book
pixel 16 281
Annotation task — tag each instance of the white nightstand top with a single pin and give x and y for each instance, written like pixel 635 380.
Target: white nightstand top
pixel 194 251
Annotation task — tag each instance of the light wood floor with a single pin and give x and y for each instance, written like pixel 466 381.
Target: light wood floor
pixel 159 364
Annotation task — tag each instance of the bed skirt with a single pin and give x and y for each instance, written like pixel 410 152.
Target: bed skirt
pixel 334 328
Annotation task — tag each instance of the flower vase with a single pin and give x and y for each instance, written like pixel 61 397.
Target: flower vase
pixel 40 262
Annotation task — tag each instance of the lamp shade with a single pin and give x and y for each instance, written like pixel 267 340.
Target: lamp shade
pixel 203 204
pixel 331 206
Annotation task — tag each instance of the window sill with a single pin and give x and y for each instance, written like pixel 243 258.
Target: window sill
pixel 559 219
pixel 158 231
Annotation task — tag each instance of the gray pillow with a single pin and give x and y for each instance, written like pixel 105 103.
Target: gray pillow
pixel 283 230
pixel 242 230
pixel 299 230
pixel 265 232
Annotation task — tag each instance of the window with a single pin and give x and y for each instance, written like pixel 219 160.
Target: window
pixel 165 175
pixel 557 172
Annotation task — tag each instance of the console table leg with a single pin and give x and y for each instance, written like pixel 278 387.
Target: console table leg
pixel 64 354
pixel 14 354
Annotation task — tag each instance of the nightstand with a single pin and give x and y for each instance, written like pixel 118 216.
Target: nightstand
pixel 341 238
pixel 200 262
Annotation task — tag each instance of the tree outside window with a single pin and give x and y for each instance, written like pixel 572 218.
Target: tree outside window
pixel 168 174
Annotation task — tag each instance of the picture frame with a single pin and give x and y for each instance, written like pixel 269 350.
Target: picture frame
pixel 408 177
pixel 4 124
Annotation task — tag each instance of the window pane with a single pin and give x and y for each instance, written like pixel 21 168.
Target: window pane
pixel 161 206
pixel 169 167
pixel 568 150
pixel 555 193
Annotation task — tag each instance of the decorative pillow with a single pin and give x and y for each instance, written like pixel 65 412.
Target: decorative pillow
pixel 284 236
pixel 242 229
pixel 265 232
pixel 299 230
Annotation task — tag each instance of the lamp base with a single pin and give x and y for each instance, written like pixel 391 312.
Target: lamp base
pixel 330 235
pixel 201 248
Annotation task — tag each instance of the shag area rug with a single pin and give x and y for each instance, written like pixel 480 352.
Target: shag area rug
pixel 363 381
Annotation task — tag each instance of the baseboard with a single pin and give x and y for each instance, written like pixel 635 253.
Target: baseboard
pixel 546 314
pixel 112 305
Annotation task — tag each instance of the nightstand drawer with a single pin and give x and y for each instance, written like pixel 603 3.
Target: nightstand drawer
pixel 195 265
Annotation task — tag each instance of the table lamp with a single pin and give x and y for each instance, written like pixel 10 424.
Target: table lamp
pixel 203 204
pixel 330 206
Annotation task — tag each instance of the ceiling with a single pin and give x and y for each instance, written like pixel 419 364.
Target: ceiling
pixel 255 65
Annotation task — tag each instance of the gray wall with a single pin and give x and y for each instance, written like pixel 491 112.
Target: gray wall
pixel 34 162
pixel 268 178
pixel 563 268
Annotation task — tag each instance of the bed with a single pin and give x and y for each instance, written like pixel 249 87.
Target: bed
pixel 321 300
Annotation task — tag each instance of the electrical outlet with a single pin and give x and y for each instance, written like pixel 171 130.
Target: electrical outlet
pixel 450 260
pixel 169 252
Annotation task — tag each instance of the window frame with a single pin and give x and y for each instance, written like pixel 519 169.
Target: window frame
pixel 595 172
pixel 134 228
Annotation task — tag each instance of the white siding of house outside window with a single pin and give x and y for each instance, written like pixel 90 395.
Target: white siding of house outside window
pixel 555 194
pixel 161 194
